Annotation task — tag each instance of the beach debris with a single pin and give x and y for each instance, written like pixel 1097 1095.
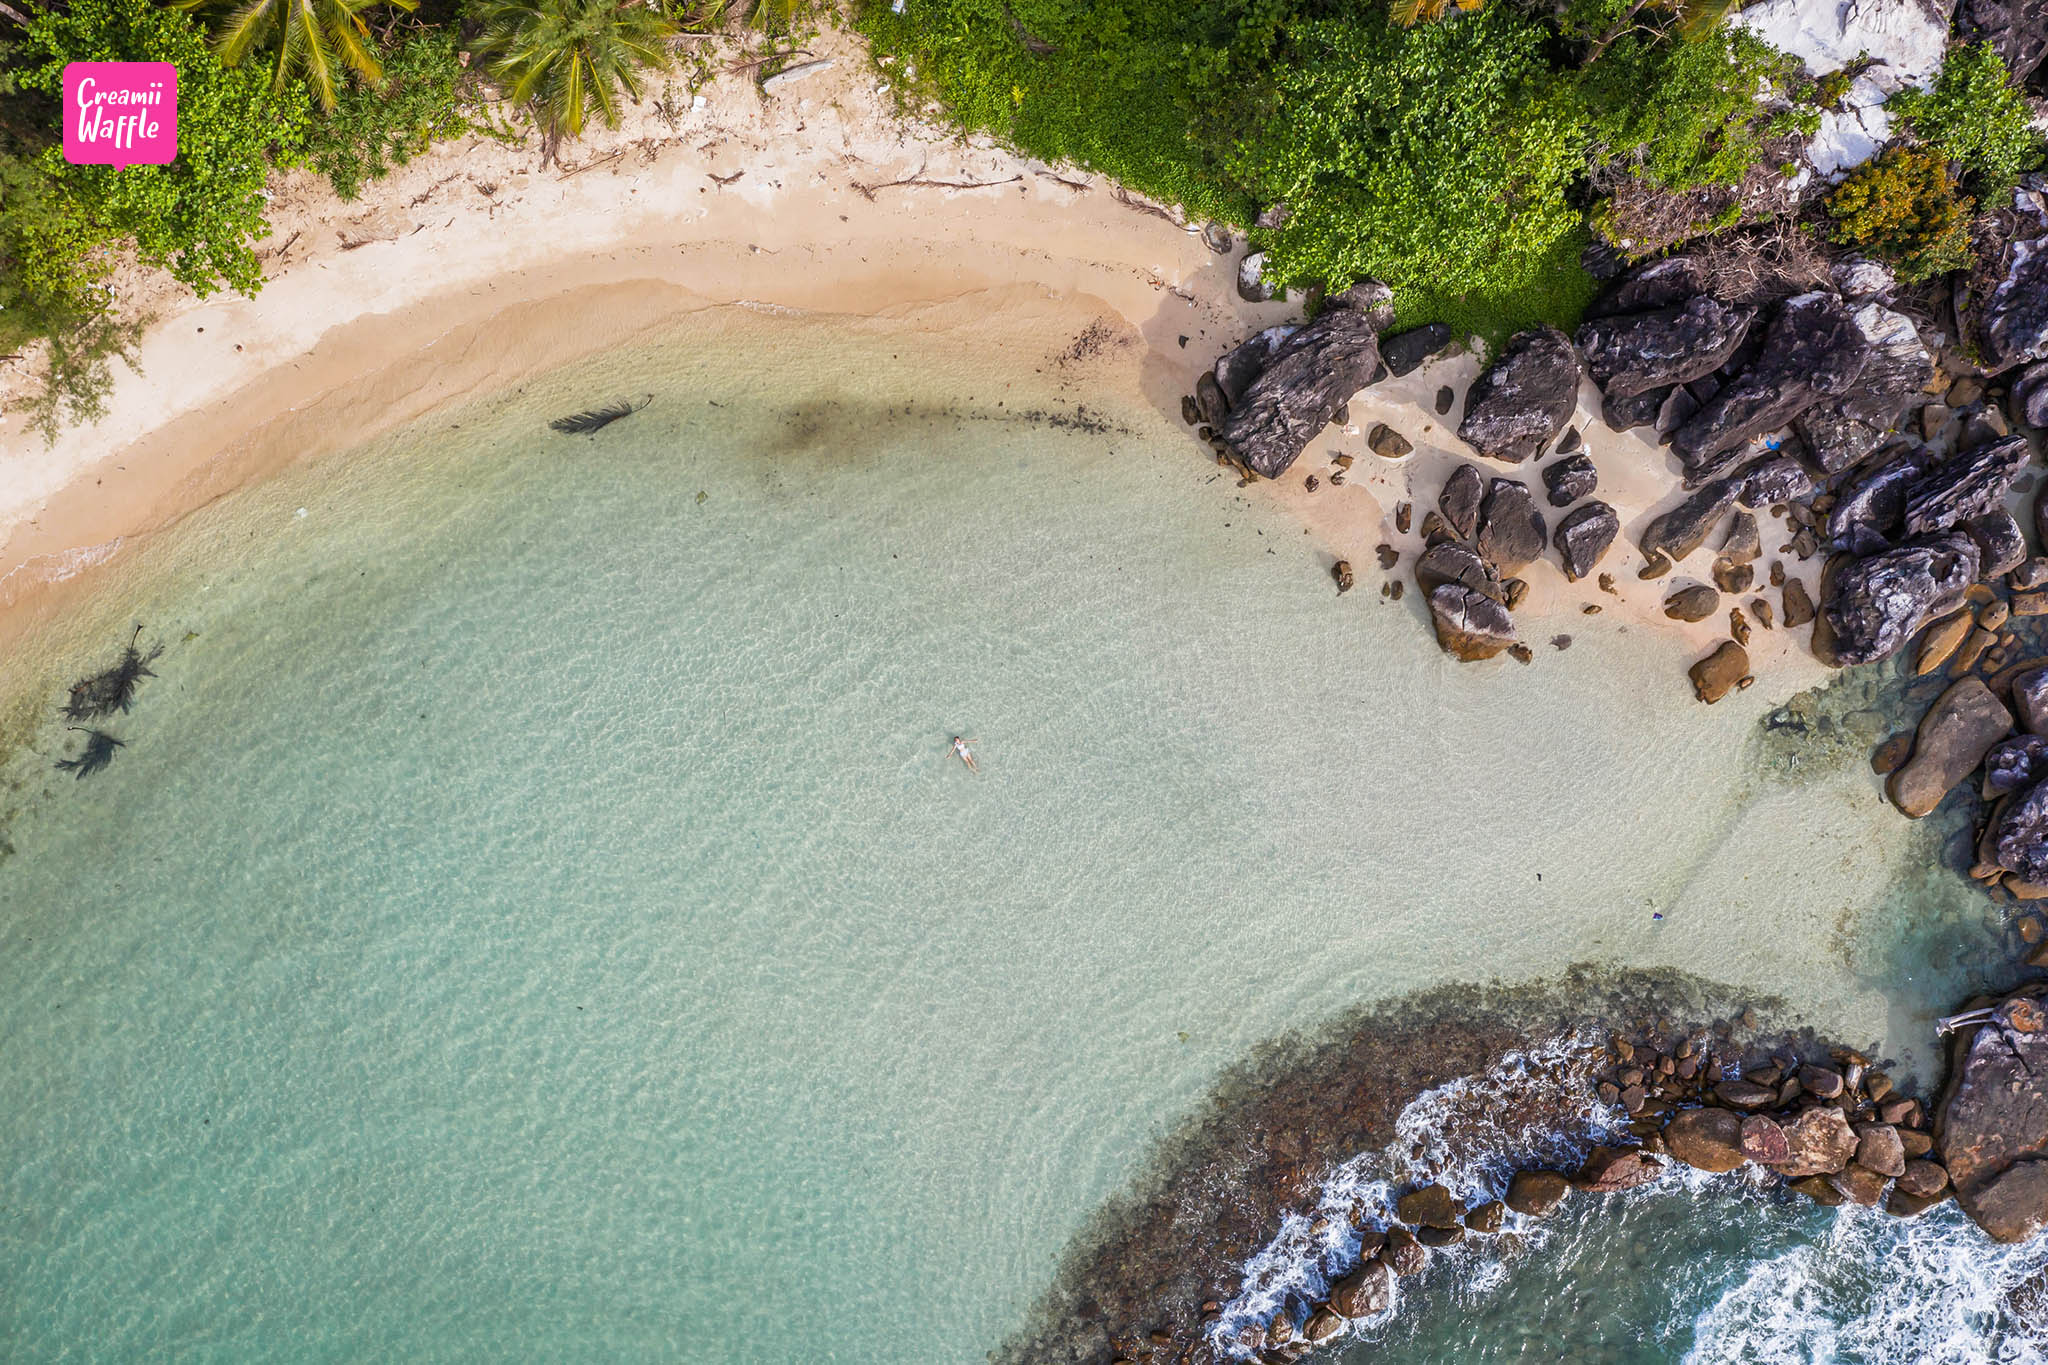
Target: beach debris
pixel 597 419
pixel 1342 572
pixel 98 753
pixel 112 689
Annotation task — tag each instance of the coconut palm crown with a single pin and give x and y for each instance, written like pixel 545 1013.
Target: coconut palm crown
pixel 569 58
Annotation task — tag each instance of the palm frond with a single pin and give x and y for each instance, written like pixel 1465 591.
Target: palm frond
pixel 596 419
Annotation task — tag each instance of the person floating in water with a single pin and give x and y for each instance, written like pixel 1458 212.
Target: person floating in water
pixel 966 754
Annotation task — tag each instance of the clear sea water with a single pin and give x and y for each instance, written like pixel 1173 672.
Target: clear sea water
pixel 537 914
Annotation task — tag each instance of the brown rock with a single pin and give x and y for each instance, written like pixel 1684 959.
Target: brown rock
pixel 1341 571
pixel 1905 1204
pixel 1469 625
pixel 1798 606
pixel 1819 1142
pixel 1537 1193
pixel 1388 443
pixel 1321 1326
pixel 1953 737
pixel 1430 1206
pixel 1994 1121
pixel 1974 645
pixel 1818 1189
pixel 1879 1149
pixel 1730 577
pixel 1439 1237
pixel 1745 1094
pixel 1887 756
pixel 1487 1218
pixel 1738 626
pixel 1923 1178
pixel 1365 1292
pixel 1820 1080
pixel 1694 603
pixel 1859 1185
pixel 1761 609
pixel 1939 641
pixel 1763 1141
pixel 1722 672
pixel 1609 1170
pixel 1404 1255
pixel 1706 1139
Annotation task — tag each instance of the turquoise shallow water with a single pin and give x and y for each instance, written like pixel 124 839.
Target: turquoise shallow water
pixel 537 914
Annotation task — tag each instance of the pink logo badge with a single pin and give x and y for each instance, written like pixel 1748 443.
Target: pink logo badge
pixel 120 113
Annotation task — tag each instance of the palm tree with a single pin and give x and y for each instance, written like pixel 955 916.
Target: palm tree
pixel 570 57
pixel 316 38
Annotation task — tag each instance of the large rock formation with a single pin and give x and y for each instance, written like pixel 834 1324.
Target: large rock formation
pixel 1813 350
pixel 2017 28
pixel 1307 381
pixel 1584 536
pixel 1662 283
pixel 1993 1132
pixel 1870 510
pixel 1511 530
pixel 1519 405
pixel 1469 625
pixel 2012 327
pixel 1875 605
pixel 1636 352
pixel 1683 529
pixel 1840 431
pixel 1972 483
pixel 1954 735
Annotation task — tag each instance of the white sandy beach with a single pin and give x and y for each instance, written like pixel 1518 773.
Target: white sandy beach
pixel 475 265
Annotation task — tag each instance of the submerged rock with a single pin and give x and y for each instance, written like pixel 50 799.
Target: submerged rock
pixel 1876 604
pixel 1636 352
pixel 1310 377
pixel 1954 735
pixel 1993 1134
pixel 1813 350
pixel 1518 406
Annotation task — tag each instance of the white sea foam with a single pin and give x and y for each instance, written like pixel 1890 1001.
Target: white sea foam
pixel 39 570
pixel 1535 1107
pixel 1930 1291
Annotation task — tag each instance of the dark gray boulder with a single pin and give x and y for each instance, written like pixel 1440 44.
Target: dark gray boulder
pixel 2015 764
pixel 1584 536
pixel 2030 700
pixel 1840 431
pixel 2013 329
pixel 2017 28
pixel 1993 1131
pixel 1683 529
pixel 1459 502
pixel 1518 406
pixel 1772 480
pixel 1653 284
pixel 1812 350
pixel 1968 484
pixel 1511 530
pixel 1251 280
pixel 1635 352
pixel 2030 396
pixel 1308 380
pixel 1450 562
pixel 1566 481
pixel 2001 545
pixel 1870 510
pixel 2020 836
pixel 1637 410
pixel 1876 604
pixel 1405 352
pixel 1237 367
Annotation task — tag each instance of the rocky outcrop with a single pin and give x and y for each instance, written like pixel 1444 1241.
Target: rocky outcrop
pixel 2017 28
pixel 1773 480
pixel 1840 431
pixel 1993 1133
pixel 2019 836
pixel 1584 537
pixel 2001 545
pixel 1511 531
pixel 1636 352
pixel 1969 484
pixel 1876 604
pixel 1954 735
pixel 2013 326
pixel 1813 350
pixel 2030 396
pixel 1519 405
pixel 1307 381
pixel 1870 510
pixel 1661 283
pixel 1237 367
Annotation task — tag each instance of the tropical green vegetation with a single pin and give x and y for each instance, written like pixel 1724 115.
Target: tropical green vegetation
pixel 1454 159
pixel 1975 118
pixel 318 41
pixel 1905 207
pixel 569 59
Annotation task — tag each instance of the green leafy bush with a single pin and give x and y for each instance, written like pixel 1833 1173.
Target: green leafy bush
pixel 1904 208
pixel 376 127
pixel 1975 117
